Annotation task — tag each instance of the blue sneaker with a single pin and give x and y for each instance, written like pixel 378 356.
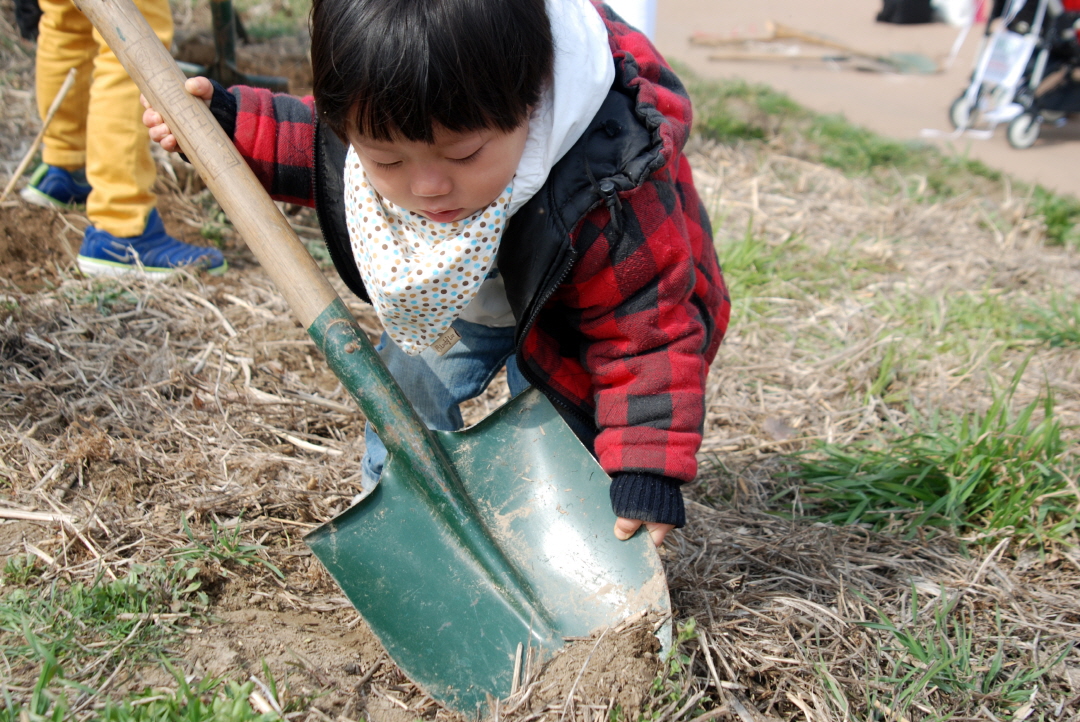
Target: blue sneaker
pixel 55 187
pixel 154 254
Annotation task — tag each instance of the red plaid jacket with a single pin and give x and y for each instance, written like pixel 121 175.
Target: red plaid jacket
pixel 610 268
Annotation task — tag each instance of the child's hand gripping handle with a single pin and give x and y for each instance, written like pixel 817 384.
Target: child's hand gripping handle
pixel 220 165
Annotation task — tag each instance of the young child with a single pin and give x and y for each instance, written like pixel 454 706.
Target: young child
pixel 505 183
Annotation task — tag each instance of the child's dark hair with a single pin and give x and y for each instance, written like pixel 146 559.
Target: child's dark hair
pixel 395 68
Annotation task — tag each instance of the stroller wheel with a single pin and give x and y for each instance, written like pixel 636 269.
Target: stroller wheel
pixel 960 113
pixel 1023 131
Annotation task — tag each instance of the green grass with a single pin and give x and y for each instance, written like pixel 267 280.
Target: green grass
pixel 750 264
pixel 319 252
pixel 1061 215
pixel 72 637
pixel 226 549
pixel 104 293
pixel 74 620
pixel 205 700
pixel 1058 325
pixel 754 266
pixel 732 111
pixel 735 110
pixel 963 323
pixel 939 659
pixel 669 690
pixel 265 20
pixel 981 475
pixel 208 700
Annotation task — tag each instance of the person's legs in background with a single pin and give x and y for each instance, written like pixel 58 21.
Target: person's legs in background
pixel 99 126
pixel 65 41
pixel 119 165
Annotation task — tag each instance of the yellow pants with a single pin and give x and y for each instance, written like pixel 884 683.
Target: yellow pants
pixel 99 125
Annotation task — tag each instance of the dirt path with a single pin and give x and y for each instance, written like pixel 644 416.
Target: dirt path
pixel 895 105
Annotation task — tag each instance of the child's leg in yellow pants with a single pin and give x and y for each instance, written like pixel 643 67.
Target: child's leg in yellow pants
pixel 99 124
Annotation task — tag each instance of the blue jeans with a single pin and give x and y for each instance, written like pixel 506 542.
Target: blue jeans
pixel 437 384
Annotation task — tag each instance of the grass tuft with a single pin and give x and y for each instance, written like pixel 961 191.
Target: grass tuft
pixel 1058 325
pixel 225 548
pixel 1061 215
pixel 978 474
pixel 207 700
pixel 939 663
pixel 92 628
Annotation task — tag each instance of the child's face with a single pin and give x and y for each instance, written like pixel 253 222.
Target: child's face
pixel 447 180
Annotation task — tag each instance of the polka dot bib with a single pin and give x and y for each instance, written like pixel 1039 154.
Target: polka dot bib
pixel 420 274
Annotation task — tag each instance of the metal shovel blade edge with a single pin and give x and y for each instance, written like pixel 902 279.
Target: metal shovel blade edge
pixel 542 499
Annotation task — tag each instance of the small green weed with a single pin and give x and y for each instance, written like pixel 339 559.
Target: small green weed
pixel 668 688
pixel 733 110
pixel 1061 215
pixel 72 621
pixel 965 323
pixel 107 295
pixel 266 20
pixel 852 149
pixel 1058 325
pixel 750 263
pixel 19 569
pixel 48 701
pixel 225 547
pixel 93 628
pixel 938 659
pixel 213 232
pixel 208 700
pixel 980 474
pixel 319 252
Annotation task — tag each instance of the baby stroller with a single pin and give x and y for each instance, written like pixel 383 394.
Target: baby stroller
pixel 1026 71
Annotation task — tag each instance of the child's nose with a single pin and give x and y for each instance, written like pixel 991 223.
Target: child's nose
pixel 427 183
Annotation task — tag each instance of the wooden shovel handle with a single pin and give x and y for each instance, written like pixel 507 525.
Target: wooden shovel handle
pixel 220 165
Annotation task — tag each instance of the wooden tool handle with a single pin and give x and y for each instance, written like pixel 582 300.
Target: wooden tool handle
pixel 783 32
pixel 57 102
pixel 220 165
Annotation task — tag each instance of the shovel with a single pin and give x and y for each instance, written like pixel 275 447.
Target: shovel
pixel 476 544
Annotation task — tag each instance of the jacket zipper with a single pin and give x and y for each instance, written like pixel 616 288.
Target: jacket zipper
pixel 527 372
pixel 549 392
pixel 610 194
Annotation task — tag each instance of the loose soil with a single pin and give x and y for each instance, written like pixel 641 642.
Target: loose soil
pixel 34 242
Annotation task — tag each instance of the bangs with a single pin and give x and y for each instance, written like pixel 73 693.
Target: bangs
pixel 389 69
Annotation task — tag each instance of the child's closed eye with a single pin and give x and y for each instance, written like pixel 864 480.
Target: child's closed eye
pixel 469 158
pixel 395 164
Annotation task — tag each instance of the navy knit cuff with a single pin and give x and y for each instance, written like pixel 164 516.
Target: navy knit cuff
pixel 224 107
pixel 648 497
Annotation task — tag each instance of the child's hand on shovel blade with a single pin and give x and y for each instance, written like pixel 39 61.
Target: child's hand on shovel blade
pixel 159 130
pixel 625 528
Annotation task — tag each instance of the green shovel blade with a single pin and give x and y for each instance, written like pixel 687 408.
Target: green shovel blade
pixel 478 541
pixel 540 498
